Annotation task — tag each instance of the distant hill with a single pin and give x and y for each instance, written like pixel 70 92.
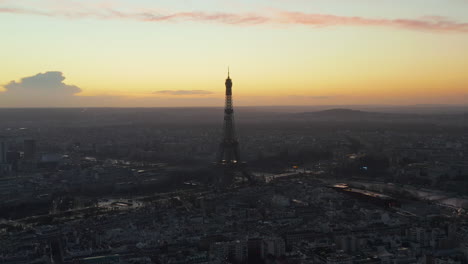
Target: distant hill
pixel 353 115
pixel 339 112
pixel 350 115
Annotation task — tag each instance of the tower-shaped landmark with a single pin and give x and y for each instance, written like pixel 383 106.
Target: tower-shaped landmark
pixel 228 153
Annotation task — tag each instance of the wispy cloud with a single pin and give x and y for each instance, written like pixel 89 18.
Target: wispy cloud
pixel 430 23
pixel 183 92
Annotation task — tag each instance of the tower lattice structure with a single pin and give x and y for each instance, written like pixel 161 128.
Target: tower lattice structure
pixel 229 153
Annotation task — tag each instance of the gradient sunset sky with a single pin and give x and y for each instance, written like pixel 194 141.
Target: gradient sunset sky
pixel 280 52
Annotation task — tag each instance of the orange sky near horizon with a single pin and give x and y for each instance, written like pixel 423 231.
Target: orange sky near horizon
pixel 323 53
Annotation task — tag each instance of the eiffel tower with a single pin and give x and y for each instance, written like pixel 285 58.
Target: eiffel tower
pixel 228 154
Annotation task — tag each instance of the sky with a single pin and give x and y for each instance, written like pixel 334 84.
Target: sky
pixel 148 53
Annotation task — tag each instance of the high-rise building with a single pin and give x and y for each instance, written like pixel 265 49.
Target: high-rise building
pixel 5 167
pixel 29 149
pixel 234 251
pixel 274 246
pixel 13 158
pixel 3 151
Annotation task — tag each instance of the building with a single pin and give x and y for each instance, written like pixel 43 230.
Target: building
pixel 327 255
pixel 274 246
pixel 3 151
pixel 5 167
pixel 234 251
pixel 29 149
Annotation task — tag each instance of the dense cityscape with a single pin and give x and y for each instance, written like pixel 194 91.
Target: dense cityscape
pixel 155 185
pixel 234 132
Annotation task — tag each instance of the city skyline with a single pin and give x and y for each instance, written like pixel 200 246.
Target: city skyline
pixel 174 53
pixel 234 132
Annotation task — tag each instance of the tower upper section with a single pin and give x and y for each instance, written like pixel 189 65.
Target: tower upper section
pixel 228 85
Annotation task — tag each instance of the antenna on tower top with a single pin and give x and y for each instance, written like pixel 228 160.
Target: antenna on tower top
pixel 228 71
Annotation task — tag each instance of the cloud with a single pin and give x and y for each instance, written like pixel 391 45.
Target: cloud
pixel 41 89
pixel 49 90
pixel 429 23
pixel 183 92
pixel 224 18
pixel 49 83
